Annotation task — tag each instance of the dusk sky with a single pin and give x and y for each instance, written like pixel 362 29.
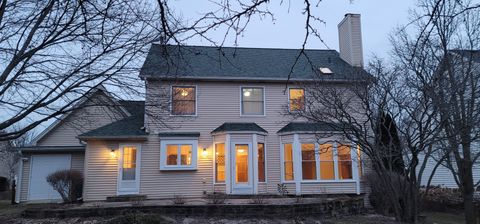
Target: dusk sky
pixel 379 18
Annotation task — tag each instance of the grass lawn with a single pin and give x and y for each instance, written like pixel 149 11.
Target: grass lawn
pixel 444 218
pixel 8 211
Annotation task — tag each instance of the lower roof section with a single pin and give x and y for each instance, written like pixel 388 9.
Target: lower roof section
pixel 51 149
pixel 239 127
pixel 309 127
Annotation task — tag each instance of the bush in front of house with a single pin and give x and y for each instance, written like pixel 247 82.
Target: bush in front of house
pixel 441 199
pixel 3 184
pixel 68 183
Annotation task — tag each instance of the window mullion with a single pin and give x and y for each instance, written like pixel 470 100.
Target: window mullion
pixel 317 160
pixel 179 155
pixel 335 160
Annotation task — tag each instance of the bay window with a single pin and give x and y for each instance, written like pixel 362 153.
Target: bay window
pixel 252 101
pixel 220 162
pixel 261 162
pixel 288 162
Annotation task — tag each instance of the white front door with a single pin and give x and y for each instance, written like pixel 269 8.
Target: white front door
pixel 42 166
pixel 129 169
pixel 242 168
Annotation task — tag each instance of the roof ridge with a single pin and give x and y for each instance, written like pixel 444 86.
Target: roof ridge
pixel 258 48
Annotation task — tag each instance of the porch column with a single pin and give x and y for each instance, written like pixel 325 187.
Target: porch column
pixel 255 163
pixel 297 164
pixel 228 188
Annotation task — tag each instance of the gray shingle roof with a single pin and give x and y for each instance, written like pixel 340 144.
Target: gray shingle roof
pixel 474 55
pixel 201 62
pixel 51 149
pixel 309 127
pixel 127 127
pixel 179 134
pixel 239 127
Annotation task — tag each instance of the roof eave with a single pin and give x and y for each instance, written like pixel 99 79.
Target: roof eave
pixel 222 79
pixel 115 137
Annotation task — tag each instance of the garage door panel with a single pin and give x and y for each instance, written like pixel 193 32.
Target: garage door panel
pixel 41 167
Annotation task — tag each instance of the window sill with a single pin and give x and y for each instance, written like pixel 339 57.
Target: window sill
pixel 178 168
pixel 175 115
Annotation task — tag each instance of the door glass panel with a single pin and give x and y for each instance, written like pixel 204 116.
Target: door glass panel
pixel 241 166
pixel 129 163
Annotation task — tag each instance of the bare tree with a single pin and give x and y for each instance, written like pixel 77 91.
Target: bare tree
pixel 392 122
pixel 443 54
pixel 10 156
pixel 53 52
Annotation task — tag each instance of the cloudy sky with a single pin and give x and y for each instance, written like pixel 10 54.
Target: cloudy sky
pixel 379 18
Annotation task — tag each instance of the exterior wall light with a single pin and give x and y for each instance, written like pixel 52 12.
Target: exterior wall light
pixel 113 154
pixel 204 152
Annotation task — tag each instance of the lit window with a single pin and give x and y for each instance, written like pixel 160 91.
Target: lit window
pixel 183 100
pixel 220 162
pixel 344 162
pixel 288 161
pixel 178 154
pixel 309 165
pixel 252 101
pixel 297 99
pixel 129 163
pixel 261 162
pixel 327 168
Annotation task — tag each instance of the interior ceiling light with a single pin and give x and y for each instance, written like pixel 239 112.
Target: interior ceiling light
pixel 246 93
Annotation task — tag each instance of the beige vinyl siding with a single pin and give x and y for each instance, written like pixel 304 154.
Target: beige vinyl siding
pixel 84 119
pixel 164 184
pixel 217 102
pixel 101 171
pixel 329 188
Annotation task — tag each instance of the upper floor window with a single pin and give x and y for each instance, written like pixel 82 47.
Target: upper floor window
pixel 296 99
pixel 253 101
pixel 183 100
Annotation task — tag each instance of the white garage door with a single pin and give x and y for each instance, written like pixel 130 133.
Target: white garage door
pixel 41 167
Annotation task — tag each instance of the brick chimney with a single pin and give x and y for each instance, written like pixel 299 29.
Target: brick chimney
pixel 350 40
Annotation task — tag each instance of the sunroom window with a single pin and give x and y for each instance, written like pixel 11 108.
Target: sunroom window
pixel 178 154
pixel 344 162
pixel 309 164
pixel 327 165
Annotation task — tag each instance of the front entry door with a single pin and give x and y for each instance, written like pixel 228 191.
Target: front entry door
pixel 242 164
pixel 129 169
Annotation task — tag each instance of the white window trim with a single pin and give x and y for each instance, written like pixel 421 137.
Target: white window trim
pixel 288 99
pixel 171 101
pixel 163 154
pixel 264 102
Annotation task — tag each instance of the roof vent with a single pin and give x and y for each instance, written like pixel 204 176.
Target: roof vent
pixel 325 71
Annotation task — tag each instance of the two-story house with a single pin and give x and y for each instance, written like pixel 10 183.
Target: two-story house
pixel 213 120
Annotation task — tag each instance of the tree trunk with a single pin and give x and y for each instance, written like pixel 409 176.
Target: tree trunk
pixel 468 192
